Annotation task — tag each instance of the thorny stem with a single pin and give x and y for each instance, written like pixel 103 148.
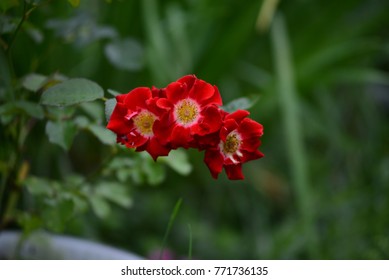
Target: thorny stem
pixel 19 26
pixel 26 14
pixel 8 48
pixel 13 176
pixel 10 198
pixel 5 197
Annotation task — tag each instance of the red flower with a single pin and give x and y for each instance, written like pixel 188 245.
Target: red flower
pixel 193 112
pixel 239 143
pixel 187 114
pixel 133 119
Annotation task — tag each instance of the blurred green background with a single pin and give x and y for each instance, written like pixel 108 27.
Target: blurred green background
pixel 320 71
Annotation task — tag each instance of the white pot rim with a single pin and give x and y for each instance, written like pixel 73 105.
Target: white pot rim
pixel 44 245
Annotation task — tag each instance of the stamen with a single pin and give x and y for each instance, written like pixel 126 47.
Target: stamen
pixel 231 145
pixel 186 112
pixel 144 123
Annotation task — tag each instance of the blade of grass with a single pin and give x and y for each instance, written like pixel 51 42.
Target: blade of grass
pixel 266 14
pixel 295 145
pixel 170 225
pixel 158 52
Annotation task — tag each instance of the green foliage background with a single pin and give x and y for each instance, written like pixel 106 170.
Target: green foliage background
pixel 319 71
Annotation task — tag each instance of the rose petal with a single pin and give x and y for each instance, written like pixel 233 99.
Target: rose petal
pixel 250 144
pixel 180 137
pixel 209 122
pixel 207 141
pixel 156 149
pixel 188 80
pixel 214 160
pixel 248 156
pixel 228 126
pixel 162 129
pixel 238 115
pixel 120 98
pixel 250 128
pixel 201 92
pixel 158 92
pixel 137 98
pixel 165 104
pixel 118 123
pixel 176 92
pixel 234 172
pixel 134 139
pixel 216 97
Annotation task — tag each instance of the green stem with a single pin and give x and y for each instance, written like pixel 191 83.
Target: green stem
pixel 18 27
pixel 11 206
pixel 293 132
pixel 170 225
pixel 7 189
pixel 25 15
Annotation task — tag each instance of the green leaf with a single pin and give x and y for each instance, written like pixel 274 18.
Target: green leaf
pixel 58 214
pixel 119 162
pixel 34 82
pixel 61 113
pixel 61 133
pixel 25 107
pixel 109 107
pixel 71 92
pixel 38 186
pixel 113 92
pixel 104 135
pixel 122 174
pixel 126 54
pixel 82 122
pixel 30 108
pixel 80 204
pixel 154 171
pixel 242 103
pixel 115 192
pixel 29 222
pixel 100 206
pixel 74 3
pixel 178 161
pixel 94 110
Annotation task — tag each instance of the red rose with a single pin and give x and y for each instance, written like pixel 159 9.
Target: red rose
pixel 239 143
pixel 187 114
pixel 193 112
pixel 133 120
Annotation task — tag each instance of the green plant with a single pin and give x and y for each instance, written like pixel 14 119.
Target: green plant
pixel 63 109
pixel 338 54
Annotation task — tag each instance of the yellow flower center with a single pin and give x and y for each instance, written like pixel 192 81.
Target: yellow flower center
pixel 232 143
pixel 186 112
pixel 144 123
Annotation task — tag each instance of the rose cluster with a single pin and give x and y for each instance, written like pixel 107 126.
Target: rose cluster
pixel 188 114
